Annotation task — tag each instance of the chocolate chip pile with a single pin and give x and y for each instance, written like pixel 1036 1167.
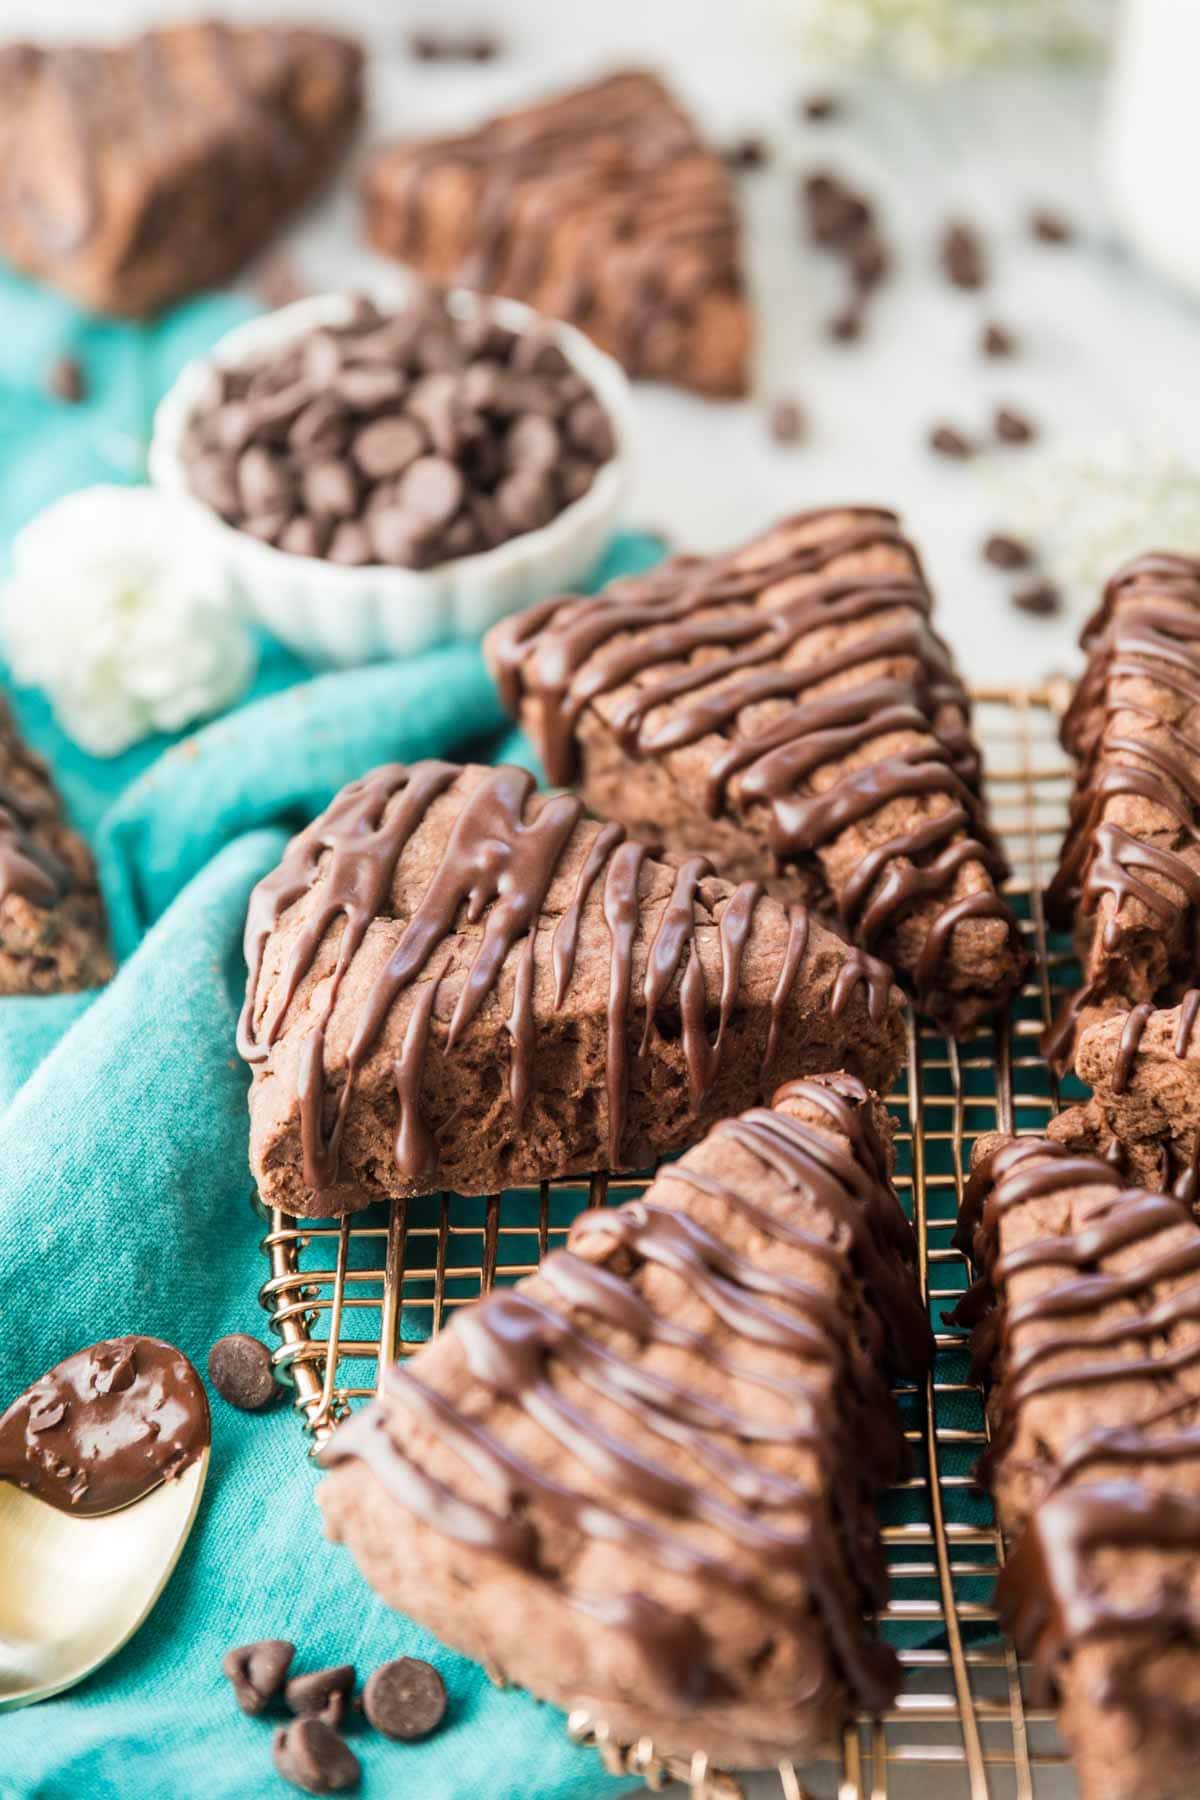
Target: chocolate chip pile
pixel 404 1700
pixel 409 437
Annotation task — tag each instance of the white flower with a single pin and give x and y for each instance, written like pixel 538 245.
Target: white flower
pixel 117 614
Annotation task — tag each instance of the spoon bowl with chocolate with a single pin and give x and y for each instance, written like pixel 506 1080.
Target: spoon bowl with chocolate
pixel 371 478
pixel 102 1465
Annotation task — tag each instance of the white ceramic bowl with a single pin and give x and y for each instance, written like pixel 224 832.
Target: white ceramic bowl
pixel 337 615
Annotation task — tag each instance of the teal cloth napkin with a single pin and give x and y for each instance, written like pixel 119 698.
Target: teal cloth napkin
pixel 124 1189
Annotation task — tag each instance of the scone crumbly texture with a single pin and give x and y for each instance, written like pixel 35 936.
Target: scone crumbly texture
pixel 789 708
pixel 136 173
pixel 1088 1311
pixel 456 982
pixel 602 206
pixel 1144 1070
pixel 643 1481
pixel 1128 881
pixel 53 937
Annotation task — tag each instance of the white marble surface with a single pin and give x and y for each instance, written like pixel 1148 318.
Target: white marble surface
pixel 1105 347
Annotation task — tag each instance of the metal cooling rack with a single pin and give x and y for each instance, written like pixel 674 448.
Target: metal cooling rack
pixel 962 1725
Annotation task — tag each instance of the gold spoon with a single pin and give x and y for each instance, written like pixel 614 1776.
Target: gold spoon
pixel 113 1446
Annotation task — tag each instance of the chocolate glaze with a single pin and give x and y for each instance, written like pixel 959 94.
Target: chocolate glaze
pixel 1147 630
pixel 103 1428
pixel 514 1340
pixel 501 858
pixel 617 161
pixel 1109 1489
pixel 555 660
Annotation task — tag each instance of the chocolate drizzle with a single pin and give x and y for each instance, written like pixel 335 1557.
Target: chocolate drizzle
pixel 729 635
pixel 505 848
pixel 821 1187
pixel 1124 1304
pixel 1143 644
pixel 106 1426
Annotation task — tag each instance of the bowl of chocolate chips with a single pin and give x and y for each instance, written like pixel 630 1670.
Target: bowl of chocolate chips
pixel 381 477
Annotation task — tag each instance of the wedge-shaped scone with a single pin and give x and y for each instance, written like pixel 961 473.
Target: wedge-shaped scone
pixel 53 936
pixel 602 206
pixel 642 1482
pixel 1129 878
pixel 133 174
pixel 789 707
pixel 1090 1303
pixel 456 982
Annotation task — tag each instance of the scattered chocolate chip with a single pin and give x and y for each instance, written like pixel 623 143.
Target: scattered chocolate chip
pixel 1050 227
pixel 239 1366
pixel 1005 552
pixel 964 261
pixel 947 440
pixel 481 47
pixel 787 422
pixel 325 1692
pixel 257 1672
pixel 1041 598
pixel 310 1754
pixel 405 1699
pixel 1013 427
pixel 997 340
pixel 424 46
pixel 748 153
pixel 66 380
pixel 428 45
pixel 846 325
pixel 820 107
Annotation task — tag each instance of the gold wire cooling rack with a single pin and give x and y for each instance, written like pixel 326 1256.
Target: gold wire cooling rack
pixel 340 1295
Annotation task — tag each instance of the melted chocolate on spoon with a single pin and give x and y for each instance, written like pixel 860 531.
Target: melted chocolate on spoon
pixel 103 1428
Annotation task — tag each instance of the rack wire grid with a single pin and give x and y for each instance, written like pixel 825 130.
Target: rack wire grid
pixel 342 1296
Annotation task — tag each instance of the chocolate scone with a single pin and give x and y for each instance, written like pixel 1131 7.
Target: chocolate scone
pixel 642 1481
pixel 457 982
pixel 1090 1304
pixel 1129 877
pixel 53 936
pixel 788 708
pixel 133 174
pixel 602 206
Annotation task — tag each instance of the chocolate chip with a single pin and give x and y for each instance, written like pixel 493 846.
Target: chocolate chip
pixel 846 326
pixel 67 381
pixel 425 46
pixel 258 1672
pixel 1042 599
pixel 264 482
pixel 325 1692
pixel 575 479
pixel 405 1699
pixel 1050 227
pixel 320 426
pixel 947 440
pixel 267 526
pixel 214 480
pixel 349 544
pixel 302 536
pixel 112 1369
pixel 1007 552
pixel 234 425
pixel 538 352
pixel 837 213
pixel 746 154
pixel 997 340
pixel 45 1414
pixel 435 401
pixel 525 500
pixel 397 536
pixel 868 259
pixel 431 488
pixel 481 47
pixel 329 488
pixel 367 388
pixel 964 261
pixel 820 107
pixel 310 1754
pixel 239 1366
pixel 787 422
pixel 322 359
pixel 532 443
pixel 387 446
pixel 1013 427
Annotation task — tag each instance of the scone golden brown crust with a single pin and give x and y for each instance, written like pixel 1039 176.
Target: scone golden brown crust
pixel 602 206
pixel 789 708
pixel 136 173
pixel 643 1480
pixel 1088 1313
pixel 457 982
pixel 1129 878
pixel 53 936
